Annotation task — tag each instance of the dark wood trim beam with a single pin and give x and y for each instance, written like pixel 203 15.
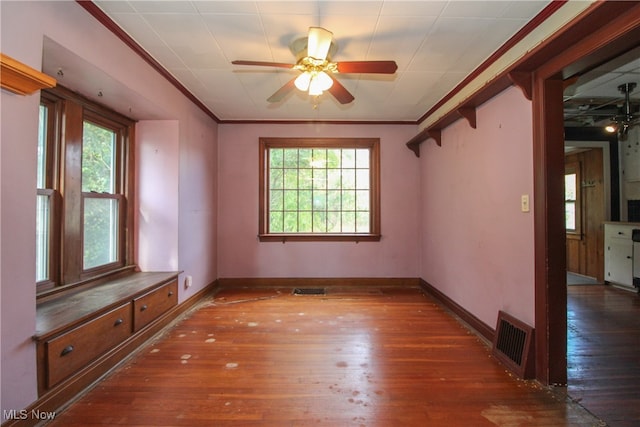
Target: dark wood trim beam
pixel 469 113
pixel 523 80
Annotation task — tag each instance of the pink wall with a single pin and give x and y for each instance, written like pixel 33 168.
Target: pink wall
pixel 477 245
pixel 242 255
pixel 186 241
pixel 157 151
pixel 474 243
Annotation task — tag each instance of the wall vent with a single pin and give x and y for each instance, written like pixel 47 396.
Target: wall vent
pixel 512 345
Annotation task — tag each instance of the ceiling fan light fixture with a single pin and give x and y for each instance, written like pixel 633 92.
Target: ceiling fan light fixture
pixel 315 88
pixel 315 82
pixel 611 128
pixel 303 81
pixel 323 80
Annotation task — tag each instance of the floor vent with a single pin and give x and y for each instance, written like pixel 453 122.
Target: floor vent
pixel 309 291
pixel 512 345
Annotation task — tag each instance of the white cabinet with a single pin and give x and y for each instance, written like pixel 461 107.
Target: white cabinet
pixel 618 254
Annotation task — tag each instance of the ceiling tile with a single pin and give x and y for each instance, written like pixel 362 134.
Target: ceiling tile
pixel 436 44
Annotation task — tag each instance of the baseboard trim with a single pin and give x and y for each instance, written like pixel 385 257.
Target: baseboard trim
pixel 68 391
pixel 315 282
pixel 478 325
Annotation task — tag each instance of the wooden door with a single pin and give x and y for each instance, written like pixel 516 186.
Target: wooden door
pixel 585 248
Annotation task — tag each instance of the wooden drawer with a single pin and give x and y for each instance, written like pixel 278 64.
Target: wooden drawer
pixel 149 306
pixel 71 351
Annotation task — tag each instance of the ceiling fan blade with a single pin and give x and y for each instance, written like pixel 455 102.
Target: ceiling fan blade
pixel 263 64
pixel 377 67
pixel 340 92
pixel 319 42
pixel 283 91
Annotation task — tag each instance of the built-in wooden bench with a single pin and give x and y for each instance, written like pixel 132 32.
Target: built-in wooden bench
pixel 81 336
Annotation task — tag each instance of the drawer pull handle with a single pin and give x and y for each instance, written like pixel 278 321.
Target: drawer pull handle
pixel 143 308
pixel 118 322
pixel 171 293
pixel 620 233
pixel 68 349
pixel 628 256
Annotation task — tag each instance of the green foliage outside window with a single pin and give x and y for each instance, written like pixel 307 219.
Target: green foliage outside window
pixel 100 222
pixel 319 190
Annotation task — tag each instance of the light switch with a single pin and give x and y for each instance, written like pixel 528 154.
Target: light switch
pixel 524 203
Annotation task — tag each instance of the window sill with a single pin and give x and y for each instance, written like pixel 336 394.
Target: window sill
pixel 355 237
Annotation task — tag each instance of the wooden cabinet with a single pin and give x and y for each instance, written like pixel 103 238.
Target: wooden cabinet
pixel 618 253
pixel 72 350
pixel 151 305
pixel 82 335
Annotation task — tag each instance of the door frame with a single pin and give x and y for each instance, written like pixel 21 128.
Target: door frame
pixel 585 44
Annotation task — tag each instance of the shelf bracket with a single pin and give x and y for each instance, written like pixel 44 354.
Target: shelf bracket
pixel 468 113
pixel 524 81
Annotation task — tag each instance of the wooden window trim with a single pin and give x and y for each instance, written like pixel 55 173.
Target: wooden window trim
pixel 372 144
pixel 63 167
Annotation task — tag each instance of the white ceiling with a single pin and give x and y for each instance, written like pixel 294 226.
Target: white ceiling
pixel 436 44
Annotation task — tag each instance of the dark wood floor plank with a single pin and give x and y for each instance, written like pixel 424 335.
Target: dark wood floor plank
pixel 604 352
pixel 269 358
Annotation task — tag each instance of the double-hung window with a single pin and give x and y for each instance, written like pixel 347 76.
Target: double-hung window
pixel 319 189
pixel 84 185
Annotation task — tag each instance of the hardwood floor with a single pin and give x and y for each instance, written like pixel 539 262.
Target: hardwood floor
pixel 389 357
pixel 604 352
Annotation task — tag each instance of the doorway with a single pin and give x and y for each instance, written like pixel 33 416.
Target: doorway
pixel 585 189
pixel 606 31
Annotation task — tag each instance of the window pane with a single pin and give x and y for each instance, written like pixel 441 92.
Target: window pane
pixel 362 179
pixel 305 222
pixel 305 179
pixel 570 186
pixel 362 200
pixel 291 200
pixel 276 158
pixel 98 159
pixel 362 222
pixel 570 215
pixel 100 232
pixel 276 222
pixel 362 158
pixel 276 179
pixel 43 230
pixel 304 201
pixel 349 222
pixel 290 222
pixel 333 158
pixel 42 147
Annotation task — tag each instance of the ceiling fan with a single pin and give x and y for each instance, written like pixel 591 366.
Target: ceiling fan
pixel 317 69
pixel 626 118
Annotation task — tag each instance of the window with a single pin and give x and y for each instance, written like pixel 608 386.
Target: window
pixel 319 189
pixel 572 207
pixel 46 197
pixel 83 189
